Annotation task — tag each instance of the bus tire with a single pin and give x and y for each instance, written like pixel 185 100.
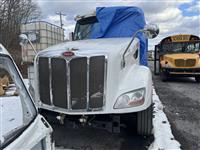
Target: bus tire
pixel 164 76
pixel 197 79
pixel 144 121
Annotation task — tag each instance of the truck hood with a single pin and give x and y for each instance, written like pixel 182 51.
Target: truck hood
pixel 93 46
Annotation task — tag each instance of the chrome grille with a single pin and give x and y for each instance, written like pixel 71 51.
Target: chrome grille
pixel 74 84
pixel 185 63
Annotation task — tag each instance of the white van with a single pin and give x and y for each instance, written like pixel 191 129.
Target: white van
pixel 21 127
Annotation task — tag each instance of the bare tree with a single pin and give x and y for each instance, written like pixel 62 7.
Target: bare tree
pixel 12 14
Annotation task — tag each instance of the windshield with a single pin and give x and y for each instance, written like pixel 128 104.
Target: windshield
pixel 186 47
pixel 84 28
pixel 17 109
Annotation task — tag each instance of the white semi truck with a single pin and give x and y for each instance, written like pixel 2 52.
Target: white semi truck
pixel 88 77
pixel 21 127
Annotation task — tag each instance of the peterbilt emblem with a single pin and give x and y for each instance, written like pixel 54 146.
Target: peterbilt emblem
pixel 68 54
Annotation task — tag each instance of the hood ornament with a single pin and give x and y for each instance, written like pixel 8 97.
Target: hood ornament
pixel 72 49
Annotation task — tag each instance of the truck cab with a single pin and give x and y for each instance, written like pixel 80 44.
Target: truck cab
pixel 21 125
pixel 98 73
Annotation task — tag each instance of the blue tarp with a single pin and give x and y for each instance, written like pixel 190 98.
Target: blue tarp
pixel 121 22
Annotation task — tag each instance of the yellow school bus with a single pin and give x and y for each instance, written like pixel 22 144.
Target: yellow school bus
pixel 178 55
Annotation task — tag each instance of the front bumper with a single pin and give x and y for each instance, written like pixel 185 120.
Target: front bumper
pixel 182 71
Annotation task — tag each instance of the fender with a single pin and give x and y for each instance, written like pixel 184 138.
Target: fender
pixel 135 78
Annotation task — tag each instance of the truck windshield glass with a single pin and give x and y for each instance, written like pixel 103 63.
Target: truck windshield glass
pixel 84 28
pixel 16 107
pixel 186 47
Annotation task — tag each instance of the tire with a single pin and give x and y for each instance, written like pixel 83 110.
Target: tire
pixel 197 79
pixel 144 121
pixel 164 76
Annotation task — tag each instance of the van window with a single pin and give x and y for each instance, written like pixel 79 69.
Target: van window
pixel 16 108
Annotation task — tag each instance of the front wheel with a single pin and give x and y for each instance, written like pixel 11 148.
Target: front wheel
pixel 144 121
pixel 197 79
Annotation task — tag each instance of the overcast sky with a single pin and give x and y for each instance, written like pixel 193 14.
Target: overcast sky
pixel 172 16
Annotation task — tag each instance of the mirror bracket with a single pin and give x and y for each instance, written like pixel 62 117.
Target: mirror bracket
pixel 150 31
pixel 24 40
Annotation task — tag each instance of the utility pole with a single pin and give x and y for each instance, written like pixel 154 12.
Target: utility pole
pixel 60 14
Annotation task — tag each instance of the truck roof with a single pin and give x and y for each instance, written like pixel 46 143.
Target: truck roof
pixel 89 14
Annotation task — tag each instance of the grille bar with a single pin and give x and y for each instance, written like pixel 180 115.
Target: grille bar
pixel 68 86
pixel 88 83
pixel 50 82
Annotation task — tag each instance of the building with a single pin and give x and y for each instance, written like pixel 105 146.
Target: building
pixel 42 34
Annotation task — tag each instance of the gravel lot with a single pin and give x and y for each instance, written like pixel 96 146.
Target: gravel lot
pixel 181 99
pixel 96 139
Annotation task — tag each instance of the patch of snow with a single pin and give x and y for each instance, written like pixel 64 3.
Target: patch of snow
pixel 163 137
pixel 11 115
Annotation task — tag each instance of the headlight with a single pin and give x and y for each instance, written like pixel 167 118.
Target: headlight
pixel 130 99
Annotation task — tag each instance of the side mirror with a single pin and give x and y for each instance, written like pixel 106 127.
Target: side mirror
pixel 23 39
pixel 71 36
pixel 151 31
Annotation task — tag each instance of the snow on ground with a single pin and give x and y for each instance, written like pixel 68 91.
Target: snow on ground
pixel 163 137
pixel 11 114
